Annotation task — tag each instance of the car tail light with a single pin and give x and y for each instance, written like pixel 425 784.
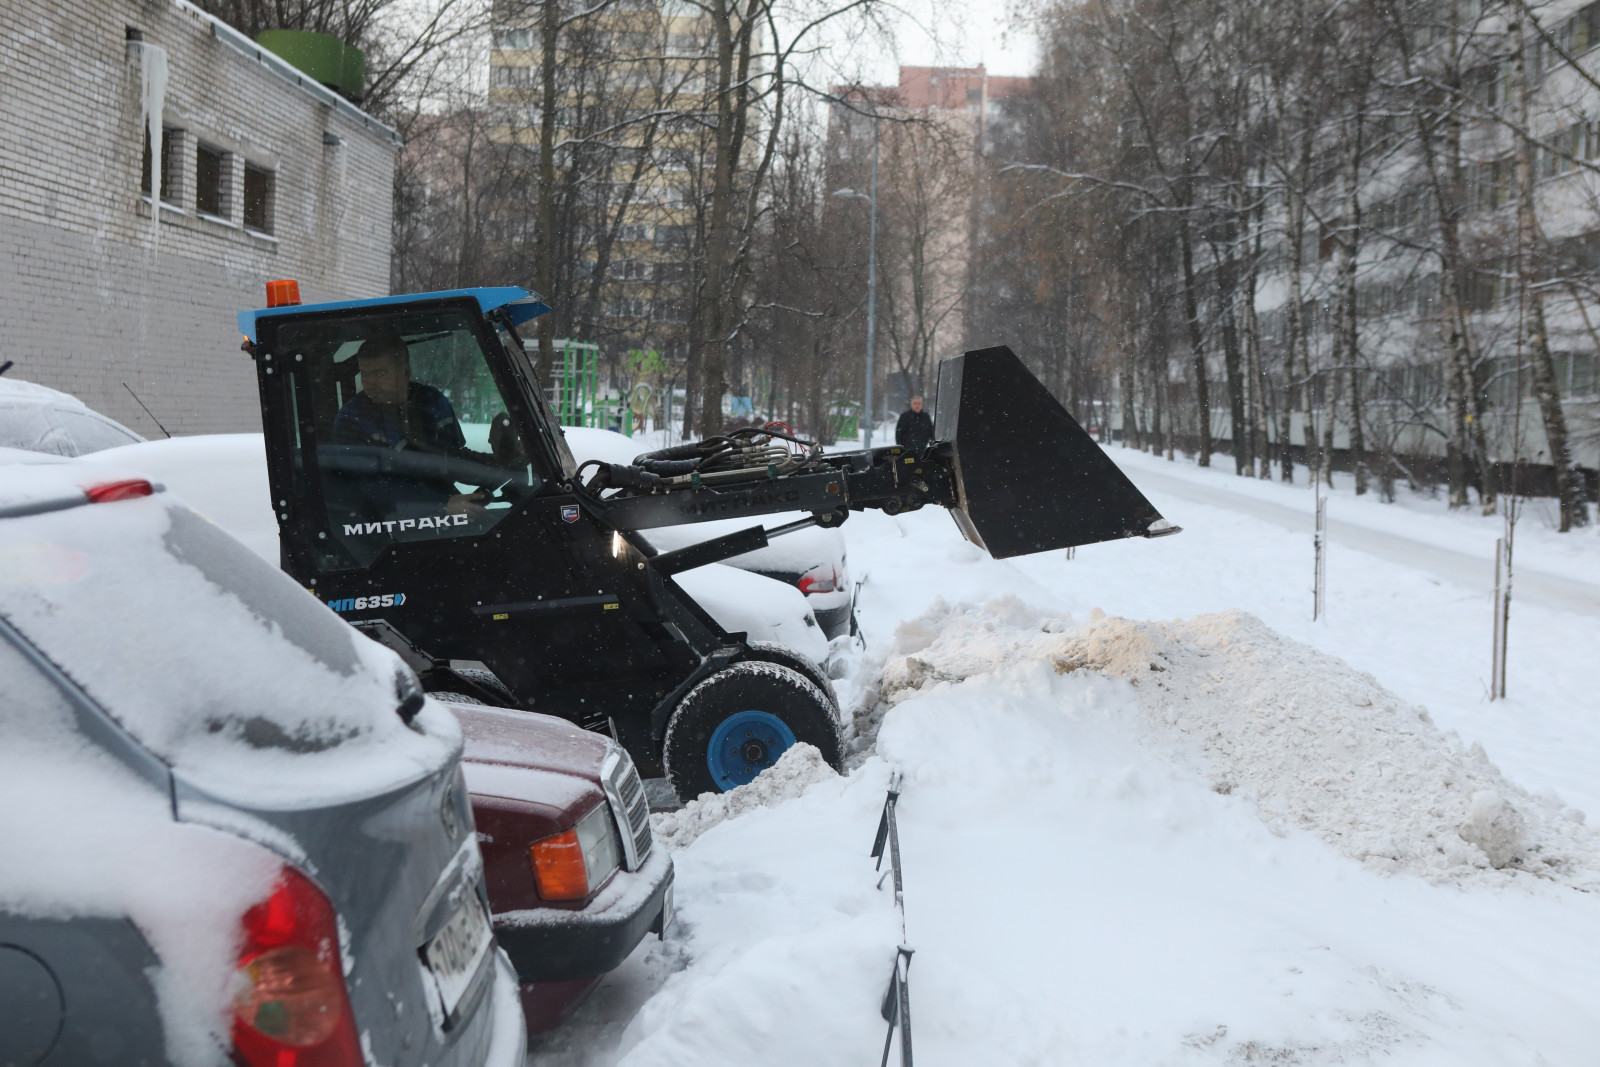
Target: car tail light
pixel 127 489
pixel 819 581
pixel 569 865
pixel 292 1009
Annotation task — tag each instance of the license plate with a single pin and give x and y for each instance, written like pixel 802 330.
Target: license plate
pixel 454 953
pixel 666 911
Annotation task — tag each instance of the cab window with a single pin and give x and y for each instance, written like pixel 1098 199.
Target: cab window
pixel 401 431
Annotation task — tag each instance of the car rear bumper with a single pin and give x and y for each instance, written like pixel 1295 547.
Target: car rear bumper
pixel 835 621
pixel 508 1040
pixel 549 945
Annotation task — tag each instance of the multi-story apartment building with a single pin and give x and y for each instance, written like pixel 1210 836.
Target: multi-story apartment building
pixel 634 114
pixel 1401 362
pixel 122 273
pixel 934 130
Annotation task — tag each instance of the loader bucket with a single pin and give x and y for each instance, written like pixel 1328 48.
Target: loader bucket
pixel 1028 476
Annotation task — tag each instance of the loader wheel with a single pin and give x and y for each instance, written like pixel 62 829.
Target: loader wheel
pixel 736 724
pixel 455 698
pixel 784 656
pixel 489 681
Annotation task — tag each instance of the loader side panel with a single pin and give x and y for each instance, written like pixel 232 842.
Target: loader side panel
pixel 1028 477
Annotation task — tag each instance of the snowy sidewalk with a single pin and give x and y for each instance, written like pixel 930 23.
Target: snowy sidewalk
pixel 1562 592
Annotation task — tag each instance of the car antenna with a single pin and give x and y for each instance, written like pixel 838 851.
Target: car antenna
pixel 147 411
pixel 7 365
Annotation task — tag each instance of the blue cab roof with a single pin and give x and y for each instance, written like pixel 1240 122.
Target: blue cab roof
pixel 522 304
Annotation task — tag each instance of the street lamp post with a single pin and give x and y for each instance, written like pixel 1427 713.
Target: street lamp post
pixel 872 276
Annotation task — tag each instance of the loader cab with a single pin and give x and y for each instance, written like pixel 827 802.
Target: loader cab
pixel 400 420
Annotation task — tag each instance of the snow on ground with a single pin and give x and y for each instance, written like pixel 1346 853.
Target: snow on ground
pixel 1295 842
pixel 1313 743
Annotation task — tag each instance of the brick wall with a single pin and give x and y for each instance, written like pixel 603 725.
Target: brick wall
pixel 93 293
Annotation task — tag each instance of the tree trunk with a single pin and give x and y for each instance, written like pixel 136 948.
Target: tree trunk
pixel 1295 341
pixel 1308 421
pixel 1255 380
pixel 1130 421
pixel 1574 511
pixel 1191 307
pixel 1157 410
pixel 1445 176
pixel 544 273
pixel 1349 360
pixel 1227 295
pixel 1329 421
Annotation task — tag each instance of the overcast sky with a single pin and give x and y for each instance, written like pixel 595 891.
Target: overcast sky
pixel 964 33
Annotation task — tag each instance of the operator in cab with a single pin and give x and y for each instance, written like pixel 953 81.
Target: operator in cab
pixel 392 411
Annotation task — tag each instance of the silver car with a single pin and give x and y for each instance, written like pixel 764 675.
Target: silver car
pixel 234 831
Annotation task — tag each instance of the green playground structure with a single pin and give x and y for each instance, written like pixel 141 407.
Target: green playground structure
pixel 574 389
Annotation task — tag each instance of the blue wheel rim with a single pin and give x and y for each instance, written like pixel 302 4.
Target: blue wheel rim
pixel 745 744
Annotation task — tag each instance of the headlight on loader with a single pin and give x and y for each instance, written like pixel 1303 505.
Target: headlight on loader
pixel 572 864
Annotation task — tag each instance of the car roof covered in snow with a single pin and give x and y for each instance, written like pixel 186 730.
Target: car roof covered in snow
pixel 17 390
pixel 214 660
pixel 40 419
pixel 522 304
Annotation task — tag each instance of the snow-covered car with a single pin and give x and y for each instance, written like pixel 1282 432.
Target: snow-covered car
pixel 540 778
pixel 575 879
pixel 40 419
pixel 234 831
pixel 224 477
pixel 812 560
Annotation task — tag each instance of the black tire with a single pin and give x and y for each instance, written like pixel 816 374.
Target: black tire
pixel 784 656
pixel 751 686
pixel 455 698
pixel 487 680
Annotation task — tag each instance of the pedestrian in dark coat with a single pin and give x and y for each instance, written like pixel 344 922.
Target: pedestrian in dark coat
pixel 915 428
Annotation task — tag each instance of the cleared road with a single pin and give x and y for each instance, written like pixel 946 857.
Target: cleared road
pixel 1531 586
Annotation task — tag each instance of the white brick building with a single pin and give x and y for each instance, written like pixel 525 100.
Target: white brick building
pixel 264 174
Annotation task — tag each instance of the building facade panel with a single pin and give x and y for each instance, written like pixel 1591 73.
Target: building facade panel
pixel 266 179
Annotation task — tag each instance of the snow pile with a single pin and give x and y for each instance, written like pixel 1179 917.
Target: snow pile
pixel 1314 743
pixel 801 766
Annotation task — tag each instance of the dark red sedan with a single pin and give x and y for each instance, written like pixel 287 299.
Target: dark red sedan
pixel 575 880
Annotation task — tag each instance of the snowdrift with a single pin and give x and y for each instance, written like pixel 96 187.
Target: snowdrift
pixel 802 765
pixel 1315 744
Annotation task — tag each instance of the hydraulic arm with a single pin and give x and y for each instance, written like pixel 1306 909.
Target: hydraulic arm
pixel 1016 470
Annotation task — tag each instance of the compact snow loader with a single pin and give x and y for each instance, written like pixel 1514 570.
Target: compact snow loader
pixel 424 492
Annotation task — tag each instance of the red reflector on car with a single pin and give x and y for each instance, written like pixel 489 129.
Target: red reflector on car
pixel 126 489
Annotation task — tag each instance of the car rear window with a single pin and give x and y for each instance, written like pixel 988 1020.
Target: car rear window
pixel 216 661
pixel 29 426
pixel 90 433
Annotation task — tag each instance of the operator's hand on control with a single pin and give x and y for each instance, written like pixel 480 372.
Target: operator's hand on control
pixel 470 504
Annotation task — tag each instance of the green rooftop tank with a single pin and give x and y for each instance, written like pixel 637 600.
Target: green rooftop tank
pixel 322 56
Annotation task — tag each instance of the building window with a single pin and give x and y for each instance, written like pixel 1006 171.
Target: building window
pixel 258 198
pixel 211 181
pixel 512 77
pixel 171 165
pixel 520 38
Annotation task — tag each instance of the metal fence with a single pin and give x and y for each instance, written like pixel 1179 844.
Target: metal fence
pixel 896 1007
